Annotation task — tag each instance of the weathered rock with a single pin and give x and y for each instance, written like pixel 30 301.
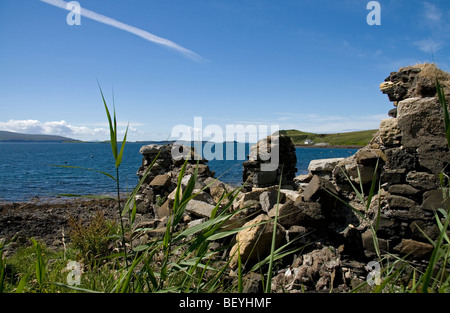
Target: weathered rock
pixel 316 271
pixel 352 243
pixel 390 134
pixel 393 176
pixel 370 157
pixel 270 160
pixel 421 124
pixel 357 173
pixel 434 199
pixel 299 213
pixel 289 195
pixel 153 149
pixel 320 189
pixel 268 199
pixel 160 181
pixel 415 249
pixel 421 180
pixel 412 81
pixel 244 199
pixel 421 229
pixel 393 112
pixel 404 190
pixel 304 178
pixel 299 233
pixel 254 243
pixel 199 208
pixel 323 166
pixel 164 210
pixel 387 227
pixel 253 283
pixel 369 244
pixel 399 202
pixel 400 158
pixel 196 222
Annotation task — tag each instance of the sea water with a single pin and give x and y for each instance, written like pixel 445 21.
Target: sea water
pixel 30 170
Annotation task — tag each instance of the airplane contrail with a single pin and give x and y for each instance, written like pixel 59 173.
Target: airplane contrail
pixel 128 28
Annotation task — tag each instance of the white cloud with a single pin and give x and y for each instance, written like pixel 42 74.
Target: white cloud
pixel 432 13
pixel 128 28
pixel 429 45
pixel 60 128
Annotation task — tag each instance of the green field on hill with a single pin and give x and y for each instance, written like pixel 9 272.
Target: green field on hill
pixel 356 138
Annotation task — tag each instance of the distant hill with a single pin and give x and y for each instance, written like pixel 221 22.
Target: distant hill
pixel 6 136
pixel 356 138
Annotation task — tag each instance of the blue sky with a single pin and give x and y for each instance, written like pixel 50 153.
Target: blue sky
pixel 308 65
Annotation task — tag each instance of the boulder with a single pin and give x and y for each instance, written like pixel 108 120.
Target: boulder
pixel 415 249
pixel 199 208
pixel 323 166
pixel 254 243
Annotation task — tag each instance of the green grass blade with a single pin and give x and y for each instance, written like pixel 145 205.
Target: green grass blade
pixel 129 274
pixel 119 157
pixel 443 103
pixel 40 265
pixel 433 258
pixel 112 131
pixel 372 186
pixel 22 283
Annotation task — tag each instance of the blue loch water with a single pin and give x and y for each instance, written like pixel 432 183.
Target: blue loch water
pixel 26 170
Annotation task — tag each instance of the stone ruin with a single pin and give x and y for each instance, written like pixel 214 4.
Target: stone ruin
pixel 405 157
pixel 278 150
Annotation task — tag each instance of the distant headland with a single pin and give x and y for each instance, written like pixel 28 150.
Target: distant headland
pixel 6 136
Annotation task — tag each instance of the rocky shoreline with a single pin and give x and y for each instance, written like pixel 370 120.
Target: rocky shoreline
pixel 47 219
pixel 319 212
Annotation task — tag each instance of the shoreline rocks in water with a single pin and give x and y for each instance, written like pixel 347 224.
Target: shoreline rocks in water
pixel 405 157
